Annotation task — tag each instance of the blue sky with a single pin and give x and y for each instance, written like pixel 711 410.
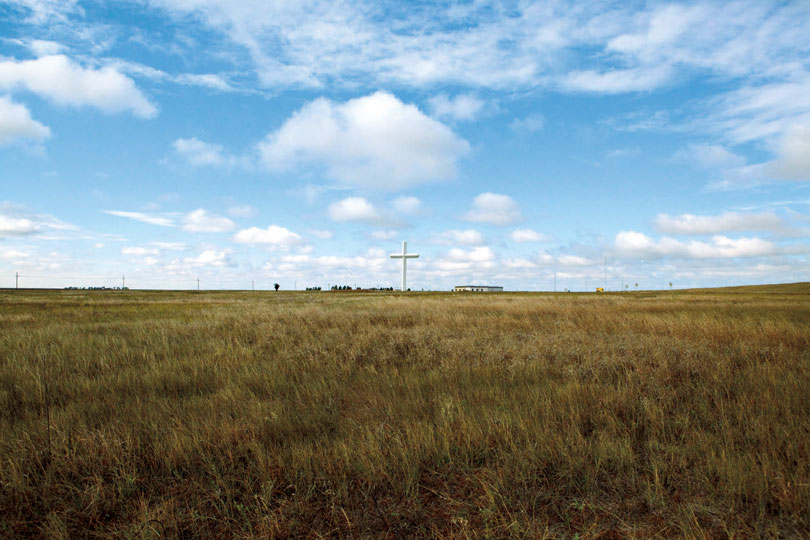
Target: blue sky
pixel 252 142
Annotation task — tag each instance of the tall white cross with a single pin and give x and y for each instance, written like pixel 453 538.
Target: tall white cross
pixel 404 256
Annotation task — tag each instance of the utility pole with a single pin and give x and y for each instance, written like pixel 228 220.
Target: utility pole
pixel 198 284
pixel 252 285
pixel 17 280
pixel 123 281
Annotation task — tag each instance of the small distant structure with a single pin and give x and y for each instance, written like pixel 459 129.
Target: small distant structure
pixel 477 288
pixel 600 289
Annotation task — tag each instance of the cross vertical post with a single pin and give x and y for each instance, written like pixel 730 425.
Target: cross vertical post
pixel 404 256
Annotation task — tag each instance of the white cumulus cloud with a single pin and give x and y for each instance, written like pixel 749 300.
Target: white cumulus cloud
pixel 726 222
pixel 199 153
pixel 63 81
pixel 375 141
pixel 459 260
pixel 493 208
pixel 639 245
pixel 209 257
pixel 16 123
pixel 355 209
pixel 201 220
pixel 468 237
pixel 407 205
pixel 527 235
pixel 13 226
pixel 272 235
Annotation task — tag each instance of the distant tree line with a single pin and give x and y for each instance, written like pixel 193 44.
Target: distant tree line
pixel 349 288
pixel 97 288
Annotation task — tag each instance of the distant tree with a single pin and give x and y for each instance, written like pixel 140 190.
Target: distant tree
pixel 276 286
pixel 670 285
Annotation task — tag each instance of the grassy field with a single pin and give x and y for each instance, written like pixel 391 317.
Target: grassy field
pixel 234 414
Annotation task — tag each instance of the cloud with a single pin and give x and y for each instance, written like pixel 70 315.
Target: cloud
pixel 627 46
pixel 138 251
pixel 573 260
pixel 760 111
pixel 374 142
pixel 374 266
pixel 636 244
pixel 477 255
pixel 199 153
pixel 205 80
pixel 16 221
pixel 528 124
pixel 42 47
pixel 174 246
pixel 13 254
pixel 144 218
pixel 208 257
pixel 355 209
pixel 44 11
pixel 11 226
pixel 493 208
pixel 16 123
pixel 384 235
pixel 527 235
pixel 469 237
pixel 713 155
pixel 462 107
pixel 617 81
pixel 208 80
pixel 201 221
pixel 726 222
pixel 273 235
pixel 407 205
pixel 458 260
pixel 322 234
pixel 243 211
pixel 793 154
pixel 62 81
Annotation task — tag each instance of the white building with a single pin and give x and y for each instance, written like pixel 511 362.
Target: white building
pixel 478 288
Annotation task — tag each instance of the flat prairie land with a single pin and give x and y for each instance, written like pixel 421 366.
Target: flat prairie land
pixel 128 414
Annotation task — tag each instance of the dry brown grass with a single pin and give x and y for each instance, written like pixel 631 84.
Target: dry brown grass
pixel 151 415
